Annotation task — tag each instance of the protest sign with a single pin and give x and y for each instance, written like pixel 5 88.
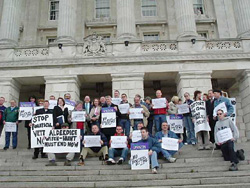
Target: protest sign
pixel 116 101
pixel 135 113
pixel 37 108
pixel 41 125
pixel 183 108
pixel 136 136
pixel 139 156
pixel 92 141
pixel 159 103
pixel 10 126
pixel 78 116
pixel 221 106
pixel 175 123
pixel 108 117
pixel 124 108
pixel 198 109
pixel 27 104
pixel 52 104
pixel 62 141
pixel 233 115
pixel 70 105
pixel 170 144
pixel 224 135
pixel 25 113
pixel 118 141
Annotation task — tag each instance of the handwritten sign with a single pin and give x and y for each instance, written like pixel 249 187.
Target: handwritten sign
pixel 170 144
pixel 116 101
pixel 139 159
pixel 62 141
pixel 175 123
pixel 118 141
pixel 159 103
pixel 52 104
pixel 221 106
pixel 233 115
pixel 135 113
pixel 25 113
pixel 224 135
pixel 41 126
pixel 70 105
pixel 108 117
pixel 183 108
pixel 198 109
pixel 124 108
pixel 10 127
pixel 78 116
pixel 92 141
pixel 136 136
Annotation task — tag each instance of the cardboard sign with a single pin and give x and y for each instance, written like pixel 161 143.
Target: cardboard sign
pixel 233 116
pixel 136 136
pixel 224 135
pixel 135 113
pixel 52 104
pixel 221 106
pixel 124 108
pixel 78 116
pixel 37 108
pixel 118 142
pixel 159 103
pixel 41 126
pixel 25 113
pixel 62 141
pixel 70 105
pixel 92 141
pixel 108 117
pixel 116 101
pixel 176 123
pixel 139 160
pixel 183 108
pixel 170 144
pixel 10 127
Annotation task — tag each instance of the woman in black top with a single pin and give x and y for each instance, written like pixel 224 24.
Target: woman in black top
pixel 59 110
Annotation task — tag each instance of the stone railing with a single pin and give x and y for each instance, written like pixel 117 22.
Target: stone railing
pixel 223 45
pixel 31 52
pixel 159 47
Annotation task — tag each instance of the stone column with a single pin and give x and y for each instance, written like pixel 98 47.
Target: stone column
pixel 242 16
pixel 128 83
pixel 125 19
pixel 67 21
pixel 185 18
pixel 189 81
pixel 244 90
pixel 9 89
pixel 59 85
pixel 10 23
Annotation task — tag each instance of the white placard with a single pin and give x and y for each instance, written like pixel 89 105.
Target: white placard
pixel 221 106
pixel 176 123
pixel 10 126
pixel 118 141
pixel 233 116
pixel 224 135
pixel 62 141
pixel 170 144
pixel 139 160
pixel 25 113
pixel 135 113
pixel 198 109
pixel 37 108
pixel 183 108
pixel 124 108
pixel 108 120
pixel 52 104
pixel 159 103
pixel 136 136
pixel 92 141
pixel 78 116
pixel 116 101
pixel 41 126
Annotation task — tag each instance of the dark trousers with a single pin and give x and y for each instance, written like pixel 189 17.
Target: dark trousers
pixel 1 129
pixel 36 152
pixel 212 123
pixel 28 134
pixel 228 152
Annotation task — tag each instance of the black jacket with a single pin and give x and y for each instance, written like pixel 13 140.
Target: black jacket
pixel 58 112
pixel 103 138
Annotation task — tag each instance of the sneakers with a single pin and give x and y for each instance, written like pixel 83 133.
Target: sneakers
pixel 51 163
pixel 200 148
pixel 233 167
pixel 240 154
pixel 67 163
pixel 111 161
pixel 120 161
pixel 81 162
pixel 207 148
pixel 193 143
pixel 154 171
pixel 172 159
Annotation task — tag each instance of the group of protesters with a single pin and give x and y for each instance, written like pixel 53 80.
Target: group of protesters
pixel 153 126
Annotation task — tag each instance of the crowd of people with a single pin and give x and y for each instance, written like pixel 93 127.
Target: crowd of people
pixel 153 126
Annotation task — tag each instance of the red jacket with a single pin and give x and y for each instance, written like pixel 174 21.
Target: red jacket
pixel 161 111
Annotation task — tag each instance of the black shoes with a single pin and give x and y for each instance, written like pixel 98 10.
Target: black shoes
pixel 233 167
pixel 240 154
pixel 5 148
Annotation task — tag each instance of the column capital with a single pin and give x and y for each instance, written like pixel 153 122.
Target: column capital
pixel 194 75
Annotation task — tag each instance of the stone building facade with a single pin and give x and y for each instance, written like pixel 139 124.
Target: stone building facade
pixel 136 46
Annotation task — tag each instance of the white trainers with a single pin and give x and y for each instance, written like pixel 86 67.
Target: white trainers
pixel 172 159
pixel 111 161
pixel 154 171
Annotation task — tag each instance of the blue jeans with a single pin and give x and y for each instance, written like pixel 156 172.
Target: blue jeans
pixel 159 119
pixel 125 123
pixel 14 139
pixel 150 126
pixel 169 153
pixel 154 161
pixel 190 129
pixel 118 152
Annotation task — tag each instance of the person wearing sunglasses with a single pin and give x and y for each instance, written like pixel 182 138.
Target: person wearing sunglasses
pixel 227 147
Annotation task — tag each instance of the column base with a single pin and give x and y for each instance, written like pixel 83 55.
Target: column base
pixel 8 43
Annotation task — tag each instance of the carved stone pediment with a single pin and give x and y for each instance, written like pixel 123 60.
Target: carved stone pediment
pixel 94 45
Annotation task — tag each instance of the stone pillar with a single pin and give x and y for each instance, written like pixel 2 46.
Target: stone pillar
pixel 9 89
pixel 185 18
pixel 125 19
pixel 244 90
pixel 128 83
pixel 59 85
pixel 10 23
pixel 242 16
pixel 189 81
pixel 67 21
